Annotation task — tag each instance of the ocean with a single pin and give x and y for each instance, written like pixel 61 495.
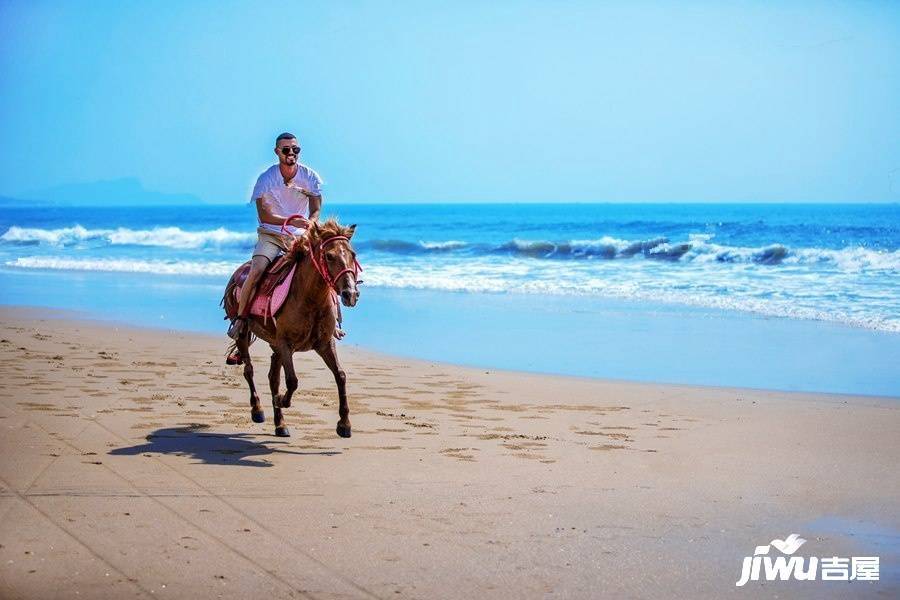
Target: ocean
pixel 804 265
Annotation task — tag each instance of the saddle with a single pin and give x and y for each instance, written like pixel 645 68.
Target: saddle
pixel 272 289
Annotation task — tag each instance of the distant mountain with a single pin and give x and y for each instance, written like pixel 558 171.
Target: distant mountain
pixel 116 192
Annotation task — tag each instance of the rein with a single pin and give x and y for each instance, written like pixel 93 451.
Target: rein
pixel 317 256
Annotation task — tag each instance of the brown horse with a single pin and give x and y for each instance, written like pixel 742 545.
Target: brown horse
pixel 326 264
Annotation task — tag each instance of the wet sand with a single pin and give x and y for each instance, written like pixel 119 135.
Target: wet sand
pixel 130 468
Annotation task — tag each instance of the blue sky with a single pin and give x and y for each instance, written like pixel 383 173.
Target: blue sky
pixel 458 101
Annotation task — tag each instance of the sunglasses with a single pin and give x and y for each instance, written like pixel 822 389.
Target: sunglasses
pixel 288 150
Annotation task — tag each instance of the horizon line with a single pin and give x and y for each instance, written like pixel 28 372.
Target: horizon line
pixel 4 200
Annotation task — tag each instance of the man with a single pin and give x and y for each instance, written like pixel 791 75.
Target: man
pixel 284 189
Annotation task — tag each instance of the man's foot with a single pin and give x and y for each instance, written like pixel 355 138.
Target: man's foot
pixel 236 329
pixel 339 333
pixel 234 358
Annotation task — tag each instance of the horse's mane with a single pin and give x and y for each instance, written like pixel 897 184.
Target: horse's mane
pixel 314 235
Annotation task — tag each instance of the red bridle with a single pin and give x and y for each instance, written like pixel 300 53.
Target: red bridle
pixel 317 256
pixel 322 267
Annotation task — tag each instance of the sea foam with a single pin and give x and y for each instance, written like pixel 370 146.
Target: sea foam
pixel 699 286
pixel 165 237
pixel 113 265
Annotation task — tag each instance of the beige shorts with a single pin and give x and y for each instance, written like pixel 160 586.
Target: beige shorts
pixel 270 244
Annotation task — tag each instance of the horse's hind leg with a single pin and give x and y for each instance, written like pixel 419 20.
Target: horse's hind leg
pixel 274 384
pixel 329 355
pixel 256 411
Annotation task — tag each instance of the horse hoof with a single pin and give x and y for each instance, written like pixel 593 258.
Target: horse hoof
pixel 282 432
pixel 283 402
pixel 343 430
pixel 258 416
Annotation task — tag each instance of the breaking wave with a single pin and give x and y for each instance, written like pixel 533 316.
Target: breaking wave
pixel 404 247
pixel 697 248
pixel 166 237
pixel 711 288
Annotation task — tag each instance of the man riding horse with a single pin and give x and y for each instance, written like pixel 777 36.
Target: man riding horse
pixel 285 189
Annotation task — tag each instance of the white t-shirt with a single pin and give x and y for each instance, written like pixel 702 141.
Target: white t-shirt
pixel 286 200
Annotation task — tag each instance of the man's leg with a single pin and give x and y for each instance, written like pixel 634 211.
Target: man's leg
pixel 336 310
pixel 258 266
pixel 266 251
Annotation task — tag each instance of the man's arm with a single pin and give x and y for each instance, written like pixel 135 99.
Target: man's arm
pixel 266 210
pixel 315 206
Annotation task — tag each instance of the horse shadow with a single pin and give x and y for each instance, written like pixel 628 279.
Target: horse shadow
pixel 235 449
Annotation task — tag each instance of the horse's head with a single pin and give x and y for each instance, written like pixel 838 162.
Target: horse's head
pixel 334 258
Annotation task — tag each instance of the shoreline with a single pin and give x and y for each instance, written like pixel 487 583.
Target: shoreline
pixel 91 320
pixel 800 299
pixel 592 337
pixel 130 451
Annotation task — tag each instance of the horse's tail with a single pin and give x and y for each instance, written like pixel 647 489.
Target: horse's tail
pixel 232 347
pixel 229 290
pixel 229 302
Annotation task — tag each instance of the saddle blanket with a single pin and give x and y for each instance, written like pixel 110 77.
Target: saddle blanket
pixel 270 295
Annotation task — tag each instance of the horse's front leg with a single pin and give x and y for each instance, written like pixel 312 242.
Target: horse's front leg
pixel 329 355
pixel 256 411
pixel 286 358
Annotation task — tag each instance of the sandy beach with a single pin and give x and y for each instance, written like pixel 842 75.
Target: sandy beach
pixel 130 468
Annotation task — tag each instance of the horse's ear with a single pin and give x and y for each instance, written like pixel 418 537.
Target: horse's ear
pixel 313 229
pixel 351 230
